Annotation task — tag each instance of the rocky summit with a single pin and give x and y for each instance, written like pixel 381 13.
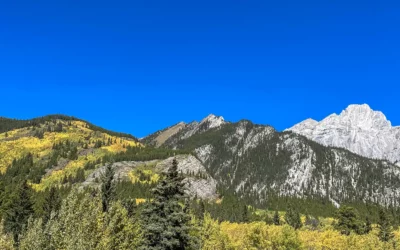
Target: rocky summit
pixel 359 129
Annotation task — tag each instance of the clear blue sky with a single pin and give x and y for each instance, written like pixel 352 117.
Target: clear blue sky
pixel 139 66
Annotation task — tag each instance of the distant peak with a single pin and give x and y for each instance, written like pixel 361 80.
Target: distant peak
pixel 212 117
pixel 355 115
pixel 359 129
pixel 361 111
pixel 365 117
pixel 365 105
pixel 358 108
pixel 213 121
pixel 310 121
pixel 306 124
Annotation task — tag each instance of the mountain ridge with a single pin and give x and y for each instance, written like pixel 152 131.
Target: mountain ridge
pixel 7 124
pixel 189 129
pixel 255 160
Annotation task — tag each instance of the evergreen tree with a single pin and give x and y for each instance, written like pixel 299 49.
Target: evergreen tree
pixel 245 214
pixel 18 211
pixel 64 180
pixel 73 153
pixel 39 134
pixel 292 218
pixel 52 203
pixel 311 222
pixel 59 127
pixel 202 210
pixel 348 221
pixel 98 144
pixel 79 177
pixel 276 219
pixel 166 223
pixel 107 187
pixel 266 218
pixel 385 227
pixel 368 226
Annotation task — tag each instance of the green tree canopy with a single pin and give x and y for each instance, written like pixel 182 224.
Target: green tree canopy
pixel 385 227
pixel 166 220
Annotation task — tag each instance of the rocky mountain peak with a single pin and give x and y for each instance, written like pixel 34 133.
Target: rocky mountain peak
pixel 213 121
pixel 364 117
pixel 359 129
pixel 184 130
pixel 306 124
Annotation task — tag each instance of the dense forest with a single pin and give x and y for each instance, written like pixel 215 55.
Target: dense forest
pixel 165 218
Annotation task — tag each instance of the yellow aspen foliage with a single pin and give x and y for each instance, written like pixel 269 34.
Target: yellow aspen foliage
pixel 150 176
pixel 55 177
pixel 120 231
pixel 6 241
pixel 80 223
pixel 140 201
pixel 19 142
pixel 212 237
pixel 259 235
pixel 322 240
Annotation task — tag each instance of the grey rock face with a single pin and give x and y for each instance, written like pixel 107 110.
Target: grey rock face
pixel 331 159
pixel 359 129
pixel 173 134
pixel 204 186
pixel 253 160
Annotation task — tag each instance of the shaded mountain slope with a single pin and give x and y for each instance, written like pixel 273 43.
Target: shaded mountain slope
pixel 256 161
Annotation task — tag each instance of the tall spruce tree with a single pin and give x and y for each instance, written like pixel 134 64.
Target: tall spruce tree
pixel 348 221
pixel 385 227
pixel 245 214
pixel 18 211
pixel 166 220
pixel 107 187
pixel 368 226
pixel 276 219
pixel 292 218
pixel 52 203
pixel 202 210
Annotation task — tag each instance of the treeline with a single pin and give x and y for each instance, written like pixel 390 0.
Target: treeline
pixel 142 154
pixel 317 206
pixel 126 190
pixel 271 200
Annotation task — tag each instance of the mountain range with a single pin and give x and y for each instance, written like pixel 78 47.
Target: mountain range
pixel 346 157
pixel 351 157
